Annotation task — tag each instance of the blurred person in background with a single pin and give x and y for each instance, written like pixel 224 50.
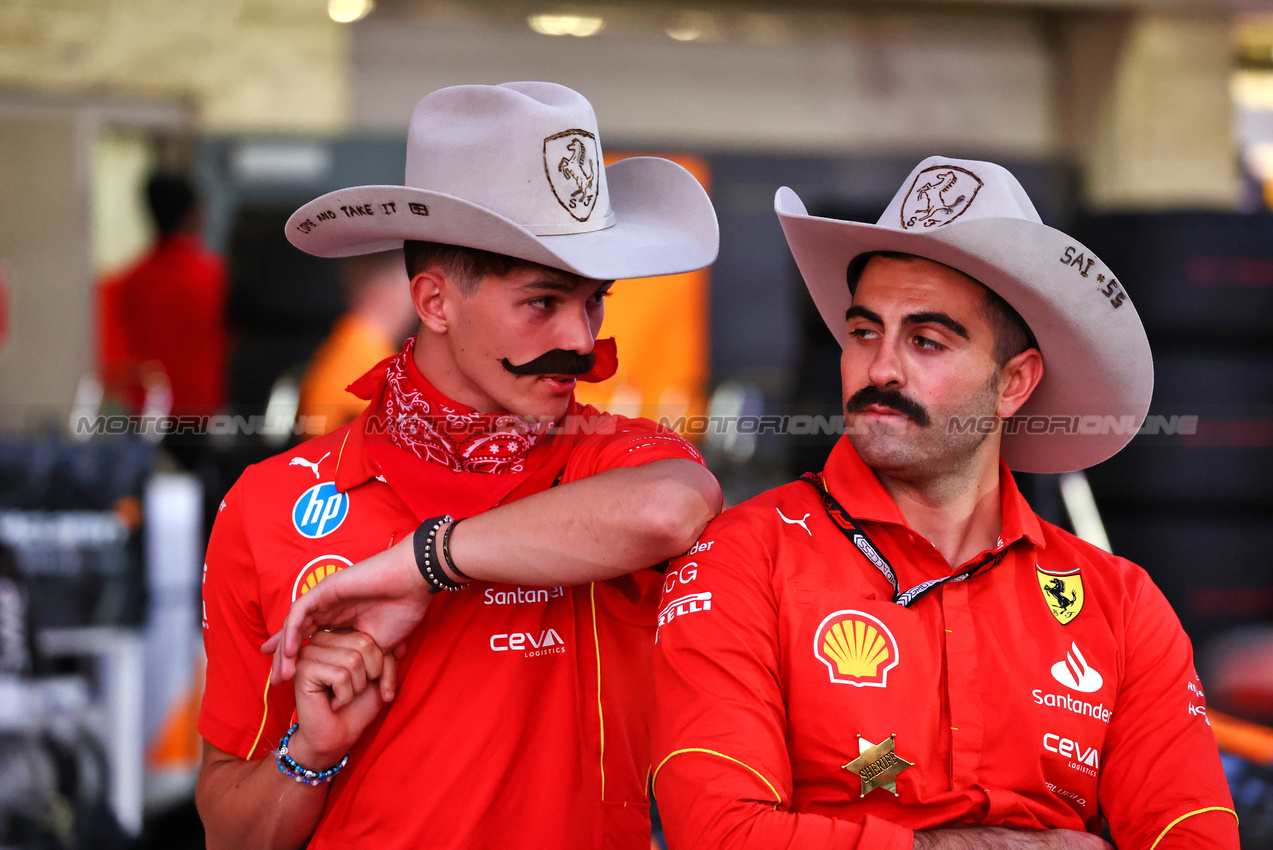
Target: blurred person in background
pixel 515 711
pixel 379 318
pixel 164 317
pixel 898 652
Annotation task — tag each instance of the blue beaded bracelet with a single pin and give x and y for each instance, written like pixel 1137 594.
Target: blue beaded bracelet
pixel 288 765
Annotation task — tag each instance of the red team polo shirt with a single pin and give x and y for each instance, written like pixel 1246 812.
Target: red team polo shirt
pixel 180 277
pixel 779 645
pixel 522 714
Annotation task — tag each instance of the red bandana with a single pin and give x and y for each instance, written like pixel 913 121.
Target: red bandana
pixel 433 428
pixel 408 421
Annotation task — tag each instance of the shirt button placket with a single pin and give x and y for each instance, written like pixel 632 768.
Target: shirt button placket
pixel 963 684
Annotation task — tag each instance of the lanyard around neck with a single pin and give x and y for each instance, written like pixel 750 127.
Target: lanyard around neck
pixel 849 527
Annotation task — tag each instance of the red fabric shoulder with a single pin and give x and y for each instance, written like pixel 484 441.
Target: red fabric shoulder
pixel 609 441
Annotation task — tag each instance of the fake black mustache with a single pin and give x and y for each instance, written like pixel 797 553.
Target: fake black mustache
pixel 871 394
pixel 559 361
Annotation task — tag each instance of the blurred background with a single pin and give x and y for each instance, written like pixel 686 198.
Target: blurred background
pixel 158 333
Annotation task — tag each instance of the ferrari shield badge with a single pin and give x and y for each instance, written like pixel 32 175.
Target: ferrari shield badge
pixel 570 161
pixel 877 765
pixel 938 196
pixel 1063 592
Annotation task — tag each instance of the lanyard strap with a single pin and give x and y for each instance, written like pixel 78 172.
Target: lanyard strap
pixel 845 522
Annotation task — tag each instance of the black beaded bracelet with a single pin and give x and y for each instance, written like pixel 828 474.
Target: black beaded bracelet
pixel 446 550
pixel 426 554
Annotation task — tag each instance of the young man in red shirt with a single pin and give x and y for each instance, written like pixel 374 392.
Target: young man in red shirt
pixel 898 652
pixel 513 713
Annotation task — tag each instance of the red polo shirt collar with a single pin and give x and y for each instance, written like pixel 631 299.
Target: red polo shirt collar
pixel 353 467
pixel 858 488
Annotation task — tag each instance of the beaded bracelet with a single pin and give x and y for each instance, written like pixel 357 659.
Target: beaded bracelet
pixel 426 555
pixel 446 550
pixel 288 765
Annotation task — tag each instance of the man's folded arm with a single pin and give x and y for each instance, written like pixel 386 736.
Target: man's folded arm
pixel 1161 783
pixel 706 800
pixel 593 529
pixel 649 499
pixel 250 804
pixel 243 801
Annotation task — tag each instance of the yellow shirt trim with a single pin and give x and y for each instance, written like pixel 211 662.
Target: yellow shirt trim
pixel 601 719
pixel 340 454
pixel 759 775
pixel 1171 825
pixel 265 713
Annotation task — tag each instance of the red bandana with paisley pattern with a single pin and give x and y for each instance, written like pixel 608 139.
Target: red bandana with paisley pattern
pixel 436 429
pixel 437 454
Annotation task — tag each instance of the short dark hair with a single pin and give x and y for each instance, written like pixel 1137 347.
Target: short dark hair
pixel 1012 334
pixel 467 266
pixel 170 197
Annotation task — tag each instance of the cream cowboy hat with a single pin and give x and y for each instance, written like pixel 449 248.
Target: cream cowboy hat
pixel 517 169
pixel 974 216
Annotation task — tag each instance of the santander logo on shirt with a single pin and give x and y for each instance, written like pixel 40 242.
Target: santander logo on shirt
pixel 1075 673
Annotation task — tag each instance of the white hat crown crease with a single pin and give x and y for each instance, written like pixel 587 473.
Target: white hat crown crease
pixel 518 169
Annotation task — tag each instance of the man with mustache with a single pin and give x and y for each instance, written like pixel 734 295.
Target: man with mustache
pixel 897 652
pixel 514 711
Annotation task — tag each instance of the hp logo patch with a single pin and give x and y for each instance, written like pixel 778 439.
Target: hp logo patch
pixel 320 510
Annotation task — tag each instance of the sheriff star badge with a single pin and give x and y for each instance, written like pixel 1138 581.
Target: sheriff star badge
pixel 877 765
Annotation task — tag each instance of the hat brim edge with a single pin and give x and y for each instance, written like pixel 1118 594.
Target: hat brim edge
pixel 664 224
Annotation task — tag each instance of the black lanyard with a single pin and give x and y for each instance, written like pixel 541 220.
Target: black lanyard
pixel 858 538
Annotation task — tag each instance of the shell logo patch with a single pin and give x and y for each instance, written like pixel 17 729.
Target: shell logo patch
pixel 856 648
pixel 315 571
pixel 1062 591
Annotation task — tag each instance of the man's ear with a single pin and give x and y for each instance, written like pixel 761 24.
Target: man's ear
pixel 1017 380
pixel 428 296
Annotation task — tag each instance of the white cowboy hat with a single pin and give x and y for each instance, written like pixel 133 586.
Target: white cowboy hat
pixel 517 169
pixel 973 216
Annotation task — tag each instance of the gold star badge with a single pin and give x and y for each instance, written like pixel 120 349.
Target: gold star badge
pixel 877 765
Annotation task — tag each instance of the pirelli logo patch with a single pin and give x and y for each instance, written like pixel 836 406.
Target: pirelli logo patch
pixel 692 603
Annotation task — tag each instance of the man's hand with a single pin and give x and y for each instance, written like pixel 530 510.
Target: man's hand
pixel 343 679
pixel 342 682
pixel 384 597
pixel 995 838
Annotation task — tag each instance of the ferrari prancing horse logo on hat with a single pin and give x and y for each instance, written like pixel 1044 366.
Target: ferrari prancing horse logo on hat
pixel 938 196
pixel 570 161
